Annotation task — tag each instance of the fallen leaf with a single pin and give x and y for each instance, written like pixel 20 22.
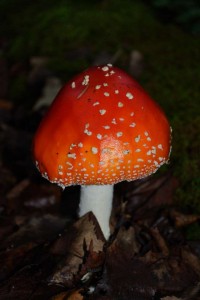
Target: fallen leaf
pixel 75 295
pixel 160 241
pixel 86 245
pixel 182 220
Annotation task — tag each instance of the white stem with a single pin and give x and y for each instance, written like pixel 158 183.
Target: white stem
pixel 98 199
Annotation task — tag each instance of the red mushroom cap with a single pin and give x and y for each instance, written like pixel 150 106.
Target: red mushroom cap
pixel 102 128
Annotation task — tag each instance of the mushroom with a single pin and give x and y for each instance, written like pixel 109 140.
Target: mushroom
pixel 102 128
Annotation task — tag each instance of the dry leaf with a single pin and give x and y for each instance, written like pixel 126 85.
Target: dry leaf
pixel 75 295
pixel 182 220
pixel 85 237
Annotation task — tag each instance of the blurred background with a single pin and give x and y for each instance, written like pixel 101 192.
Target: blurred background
pixel 44 43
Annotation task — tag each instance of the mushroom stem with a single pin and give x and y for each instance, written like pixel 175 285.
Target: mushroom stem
pixel 98 199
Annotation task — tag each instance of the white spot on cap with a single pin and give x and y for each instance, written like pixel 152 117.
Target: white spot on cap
pixel 132 114
pixel 121 119
pixel 149 152
pixel 94 150
pixel 120 104
pixel 97 87
pixel 138 150
pixel 137 139
pixel 102 112
pixel 153 150
pixel 72 146
pixel 119 134
pixel 146 133
pixel 86 80
pixel 148 139
pixel 73 85
pixel 87 132
pixel 72 155
pixel 99 136
pixel 129 96
pixel 80 145
pixel 114 121
pixel 160 146
pixel 132 125
pixel 156 163
pixel 105 69
pixel 116 91
pixel 125 152
pixel 106 94
pixel 106 127
pixel 96 103
pixel 105 84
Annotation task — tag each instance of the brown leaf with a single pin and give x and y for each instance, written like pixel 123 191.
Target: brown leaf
pixel 35 230
pixel 75 295
pixel 84 237
pixel 28 197
pixel 150 193
pixel 12 258
pixel 160 241
pixel 17 189
pixel 5 105
pixel 182 220
pixel 7 226
pixel 133 273
pixel 24 284
pixel 126 240
pixel 191 259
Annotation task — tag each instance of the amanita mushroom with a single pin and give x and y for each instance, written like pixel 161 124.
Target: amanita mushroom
pixel 101 129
